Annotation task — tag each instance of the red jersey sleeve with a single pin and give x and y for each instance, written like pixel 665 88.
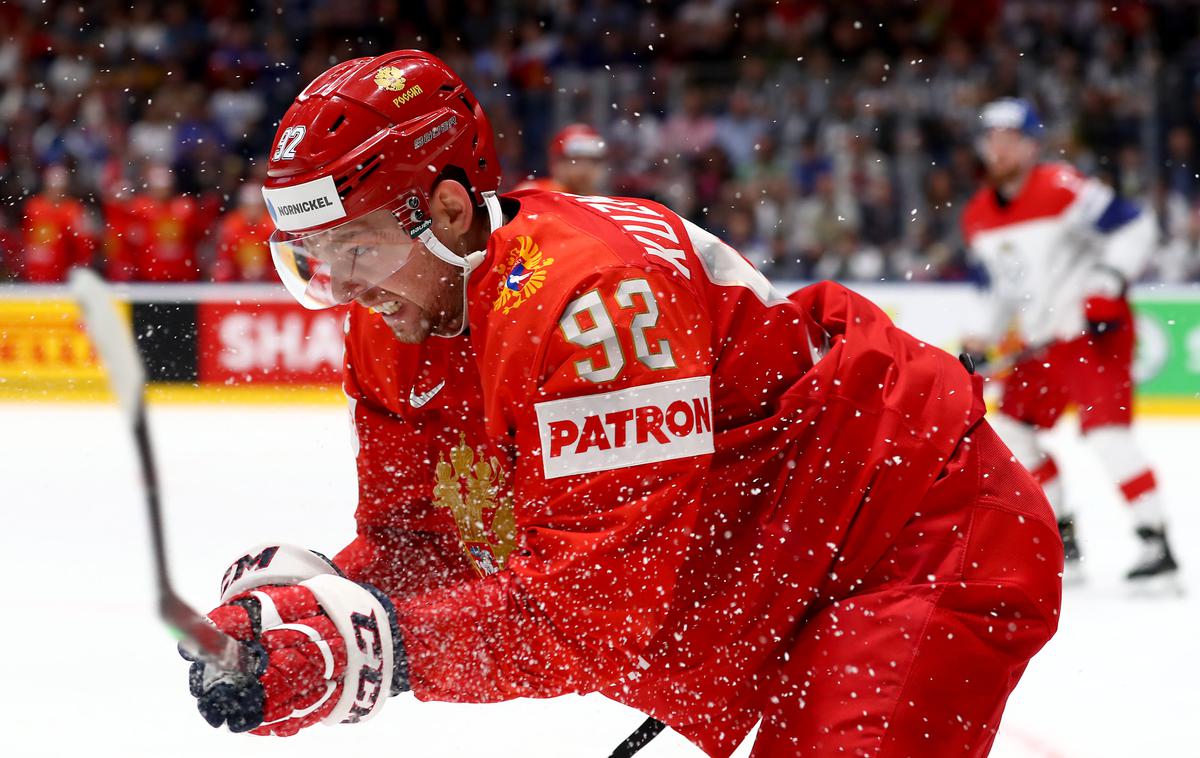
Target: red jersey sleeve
pixel 609 405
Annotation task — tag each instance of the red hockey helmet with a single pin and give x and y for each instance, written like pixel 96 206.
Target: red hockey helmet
pixel 367 141
pixel 577 141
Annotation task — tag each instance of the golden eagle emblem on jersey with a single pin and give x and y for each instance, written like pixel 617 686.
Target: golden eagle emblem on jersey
pixel 472 489
pixel 389 78
pixel 525 273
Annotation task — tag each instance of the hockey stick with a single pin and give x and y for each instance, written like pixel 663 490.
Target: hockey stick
pixel 127 376
pixel 1004 364
pixel 639 739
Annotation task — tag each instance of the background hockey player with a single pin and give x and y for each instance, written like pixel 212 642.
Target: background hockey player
pixel 242 253
pixel 1061 250
pixel 56 231
pixel 576 156
pixel 157 232
pixel 626 465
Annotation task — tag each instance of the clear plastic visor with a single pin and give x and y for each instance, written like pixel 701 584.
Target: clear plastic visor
pixel 334 266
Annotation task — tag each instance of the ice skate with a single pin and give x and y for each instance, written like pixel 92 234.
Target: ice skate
pixel 1156 571
pixel 1072 557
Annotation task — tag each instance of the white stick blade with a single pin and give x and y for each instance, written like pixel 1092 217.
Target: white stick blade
pixel 112 338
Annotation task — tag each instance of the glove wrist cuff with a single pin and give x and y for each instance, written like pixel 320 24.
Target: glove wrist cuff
pixel 400 678
pixel 273 563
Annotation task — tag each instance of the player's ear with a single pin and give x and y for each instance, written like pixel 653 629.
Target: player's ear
pixel 452 211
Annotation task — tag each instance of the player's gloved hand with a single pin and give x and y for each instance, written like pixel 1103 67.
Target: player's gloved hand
pixel 1104 305
pixel 330 649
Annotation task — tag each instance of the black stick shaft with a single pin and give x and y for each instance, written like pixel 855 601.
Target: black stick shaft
pixel 195 632
pixel 639 739
pixel 141 435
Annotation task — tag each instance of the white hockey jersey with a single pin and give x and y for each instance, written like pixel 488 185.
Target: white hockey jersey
pixel 1063 238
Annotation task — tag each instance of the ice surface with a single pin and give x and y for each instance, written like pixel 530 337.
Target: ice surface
pixel 85 668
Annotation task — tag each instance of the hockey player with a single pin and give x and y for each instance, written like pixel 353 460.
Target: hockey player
pixel 158 233
pixel 576 156
pixel 1061 249
pixel 598 452
pixel 56 231
pixel 242 253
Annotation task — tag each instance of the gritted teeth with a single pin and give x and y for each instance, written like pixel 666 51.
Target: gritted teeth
pixel 387 309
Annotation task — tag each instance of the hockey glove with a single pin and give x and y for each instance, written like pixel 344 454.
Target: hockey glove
pixel 329 648
pixel 1104 306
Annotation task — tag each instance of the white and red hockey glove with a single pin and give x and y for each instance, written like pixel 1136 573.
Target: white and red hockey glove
pixel 329 648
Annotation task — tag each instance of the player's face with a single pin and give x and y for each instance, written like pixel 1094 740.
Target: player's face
pixel 374 261
pixel 579 175
pixel 422 299
pixel 1007 154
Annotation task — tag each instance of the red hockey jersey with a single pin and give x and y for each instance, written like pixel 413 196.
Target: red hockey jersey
pixel 56 238
pixel 242 252
pixel 155 241
pixel 416 410
pixel 657 465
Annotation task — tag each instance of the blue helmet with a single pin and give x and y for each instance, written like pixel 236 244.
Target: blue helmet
pixel 1012 113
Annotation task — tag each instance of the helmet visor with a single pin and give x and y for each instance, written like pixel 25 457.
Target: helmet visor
pixel 334 266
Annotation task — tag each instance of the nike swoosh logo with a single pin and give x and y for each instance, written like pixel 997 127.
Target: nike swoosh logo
pixel 416 401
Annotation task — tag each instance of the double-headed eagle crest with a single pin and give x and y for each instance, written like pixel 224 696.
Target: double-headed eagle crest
pixel 472 489
pixel 525 273
pixel 389 78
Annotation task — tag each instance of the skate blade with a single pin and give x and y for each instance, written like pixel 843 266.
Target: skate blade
pixel 1163 585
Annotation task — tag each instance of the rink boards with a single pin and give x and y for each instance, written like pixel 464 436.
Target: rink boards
pixel 252 344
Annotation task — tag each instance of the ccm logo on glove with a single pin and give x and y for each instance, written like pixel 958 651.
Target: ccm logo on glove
pixel 646 424
pixel 370 677
pixel 268 564
pixel 246 563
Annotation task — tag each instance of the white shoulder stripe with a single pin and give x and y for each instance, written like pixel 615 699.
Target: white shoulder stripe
pixel 725 267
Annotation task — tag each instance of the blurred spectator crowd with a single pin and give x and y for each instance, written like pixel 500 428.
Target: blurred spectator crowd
pixel 821 139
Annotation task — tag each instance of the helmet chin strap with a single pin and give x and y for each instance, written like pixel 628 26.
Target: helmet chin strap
pixel 471 261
